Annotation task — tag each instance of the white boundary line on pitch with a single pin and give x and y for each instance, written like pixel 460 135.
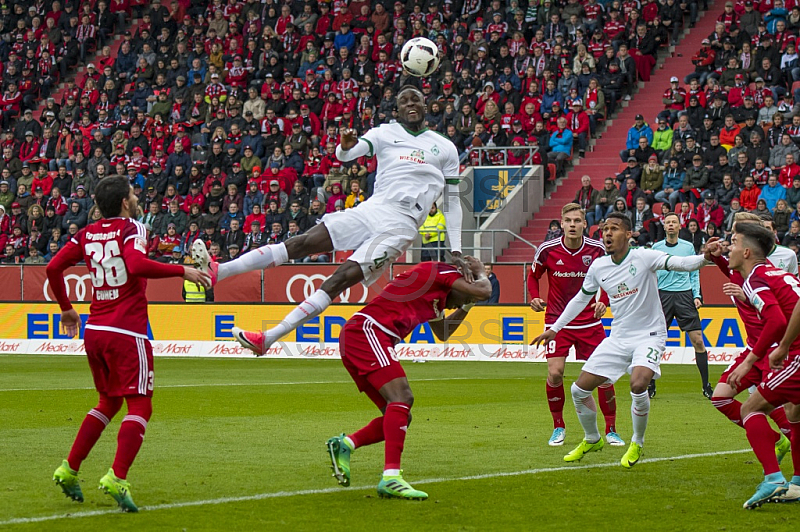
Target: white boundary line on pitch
pixel 284 494
pixel 295 383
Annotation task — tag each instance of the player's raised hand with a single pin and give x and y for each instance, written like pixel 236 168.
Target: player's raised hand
pixel 713 249
pixel 538 304
pixel 70 323
pixel 197 277
pixel 469 267
pixel 733 290
pixel 547 336
pixel 349 139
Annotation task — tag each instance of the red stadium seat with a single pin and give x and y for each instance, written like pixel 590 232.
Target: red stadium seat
pixel 551 172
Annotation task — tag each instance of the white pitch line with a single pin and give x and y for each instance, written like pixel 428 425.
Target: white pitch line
pixel 285 494
pixel 298 383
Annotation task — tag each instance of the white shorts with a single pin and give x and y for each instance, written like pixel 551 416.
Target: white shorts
pixel 378 234
pixel 614 357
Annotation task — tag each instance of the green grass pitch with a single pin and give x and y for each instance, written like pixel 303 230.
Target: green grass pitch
pixel 239 445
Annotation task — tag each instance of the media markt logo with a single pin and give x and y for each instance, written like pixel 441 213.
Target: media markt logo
pixel 632 270
pixel 622 288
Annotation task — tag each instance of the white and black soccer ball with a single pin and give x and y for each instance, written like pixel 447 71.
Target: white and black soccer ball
pixel 420 57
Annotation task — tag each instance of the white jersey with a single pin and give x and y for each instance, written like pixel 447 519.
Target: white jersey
pixel 632 288
pixel 784 259
pixel 413 168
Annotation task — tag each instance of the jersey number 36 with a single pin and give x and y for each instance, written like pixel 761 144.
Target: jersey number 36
pixel 106 265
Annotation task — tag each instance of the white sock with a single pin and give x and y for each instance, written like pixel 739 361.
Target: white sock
pixel 586 409
pixel 391 472
pixel 640 410
pixel 350 443
pixel 257 259
pixel 308 309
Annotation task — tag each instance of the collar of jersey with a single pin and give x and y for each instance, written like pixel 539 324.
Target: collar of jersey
pixel 623 258
pixel 415 134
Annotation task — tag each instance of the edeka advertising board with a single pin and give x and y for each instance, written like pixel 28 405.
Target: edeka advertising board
pixel 489 333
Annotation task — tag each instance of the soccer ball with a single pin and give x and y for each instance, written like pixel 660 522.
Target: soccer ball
pixel 420 57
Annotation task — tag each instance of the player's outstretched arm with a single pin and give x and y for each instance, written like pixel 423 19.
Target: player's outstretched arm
pixel 572 310
pixel 140 266
pixel 351 147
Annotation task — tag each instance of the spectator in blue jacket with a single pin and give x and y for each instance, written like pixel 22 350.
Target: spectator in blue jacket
pixel 772 192
pixel 639 129
pixel 345 38
pixel 126 61
pixel 252 197
pixel 561 145
pixel 673 181
pixel 550 96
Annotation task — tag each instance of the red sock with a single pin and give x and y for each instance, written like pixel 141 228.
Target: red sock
pixel 395 424
pixel 762 442
pixel 555 400
pixel 372 433
pixel 131 433
pixel 606 396
pixel 779 417
pixel 92 428
pixel 795 437
pixel 730 408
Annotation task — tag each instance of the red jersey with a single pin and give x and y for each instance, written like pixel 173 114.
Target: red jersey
pixel 115 250
pixel 566 270
pixel 768 286
pixel 414 297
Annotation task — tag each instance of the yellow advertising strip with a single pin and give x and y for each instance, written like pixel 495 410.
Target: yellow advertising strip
pixel 484 325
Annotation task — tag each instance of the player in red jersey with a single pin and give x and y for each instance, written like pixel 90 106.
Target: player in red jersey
pixel 566 262
pixel 775 295
pixel 120 357
pixel 724 395
pixel 367 346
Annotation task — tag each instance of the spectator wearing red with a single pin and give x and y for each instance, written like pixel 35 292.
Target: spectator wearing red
pixel 709 211
pixel 748 197
pixel 29 149
pixel 194 197
pixel 789 172
pixel 578 123
pixel 255 217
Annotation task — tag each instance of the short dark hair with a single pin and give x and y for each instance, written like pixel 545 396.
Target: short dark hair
pixel 762 238
pixel 626 222
pixel 672 213
pixel 109 194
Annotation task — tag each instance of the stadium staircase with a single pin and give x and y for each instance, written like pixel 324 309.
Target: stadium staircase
pixel 602 160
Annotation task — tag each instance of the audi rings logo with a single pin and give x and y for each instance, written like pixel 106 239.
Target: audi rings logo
pixel 311 284
pixel 81 282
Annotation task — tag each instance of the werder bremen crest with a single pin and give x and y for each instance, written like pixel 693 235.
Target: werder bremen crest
pixel 435 150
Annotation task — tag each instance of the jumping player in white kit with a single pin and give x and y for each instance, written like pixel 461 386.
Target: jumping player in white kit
pixel 638 332
pixel 415 167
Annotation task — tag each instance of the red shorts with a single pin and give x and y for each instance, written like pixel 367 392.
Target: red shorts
pixel 753 377
pixel 121 365
pixel 368 355
pixel 783 385
pixel 585 341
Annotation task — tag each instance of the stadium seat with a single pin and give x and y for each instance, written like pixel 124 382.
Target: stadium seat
pixel 656 208
pixel 551 172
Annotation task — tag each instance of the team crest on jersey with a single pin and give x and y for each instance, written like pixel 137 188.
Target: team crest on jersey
pixel 435 150
pixel 632 270
pixel 587 260
pixel 782 265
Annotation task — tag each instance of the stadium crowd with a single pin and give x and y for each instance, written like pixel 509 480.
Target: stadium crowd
pixel 725 143
pixel 225 115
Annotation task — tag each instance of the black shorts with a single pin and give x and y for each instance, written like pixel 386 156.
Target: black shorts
pixel 680 305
